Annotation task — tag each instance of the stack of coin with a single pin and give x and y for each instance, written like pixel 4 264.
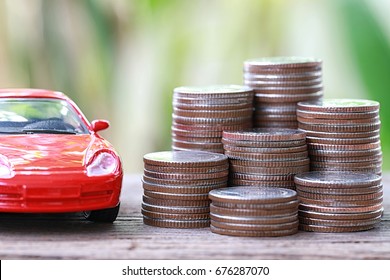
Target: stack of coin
pixel 279 83
pixel 254 211
pixel 335 201
pixel 200 114
pixel 342 134
pixel 265 156
pixel 176 186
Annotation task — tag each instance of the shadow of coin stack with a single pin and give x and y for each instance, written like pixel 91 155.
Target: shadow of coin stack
pixel 254 211
pixel 342 134
pixel 200 114
pixel 265 157
pixel 339 201
pixel 176 186
pixel 279 83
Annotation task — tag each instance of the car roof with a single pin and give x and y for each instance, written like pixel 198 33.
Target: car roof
pixel 31 93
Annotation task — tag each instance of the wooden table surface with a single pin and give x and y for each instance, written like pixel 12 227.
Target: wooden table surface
pixel 69 236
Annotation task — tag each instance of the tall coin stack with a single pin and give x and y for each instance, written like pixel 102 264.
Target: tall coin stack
pixel 342 134
pixel 176 186
pixel 279 83
pixel 333 201
pixel 254 211
pixel 200 114
pixel 265 157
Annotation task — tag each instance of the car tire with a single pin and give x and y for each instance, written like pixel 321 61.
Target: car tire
pixel 107 215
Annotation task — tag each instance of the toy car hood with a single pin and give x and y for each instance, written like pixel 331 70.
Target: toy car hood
pixel 50 152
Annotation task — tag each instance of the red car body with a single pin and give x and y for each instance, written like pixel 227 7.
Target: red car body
pixel 49 171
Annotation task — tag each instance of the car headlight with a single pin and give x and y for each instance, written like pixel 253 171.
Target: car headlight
pixel 5 168
pixel 103 163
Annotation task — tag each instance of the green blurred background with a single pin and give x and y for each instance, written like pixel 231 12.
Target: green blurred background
pixel 121 59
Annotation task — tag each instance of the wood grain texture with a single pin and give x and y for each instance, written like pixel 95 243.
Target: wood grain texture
pixel 69 236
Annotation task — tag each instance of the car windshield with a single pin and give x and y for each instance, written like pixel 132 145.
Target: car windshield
pixel 39 115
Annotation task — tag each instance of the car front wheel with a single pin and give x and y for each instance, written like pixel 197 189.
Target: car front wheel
pixel 108 215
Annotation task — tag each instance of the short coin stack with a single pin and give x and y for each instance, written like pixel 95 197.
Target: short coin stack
pixel 254 211
pixel 279 83
pixel 176 186
pixel 265 157
pixel 200 114
pixel 342 134
pixel 332 201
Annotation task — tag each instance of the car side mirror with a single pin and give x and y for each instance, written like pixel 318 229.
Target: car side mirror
pixel 98 125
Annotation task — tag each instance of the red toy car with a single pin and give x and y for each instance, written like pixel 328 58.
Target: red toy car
pixel 52 159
